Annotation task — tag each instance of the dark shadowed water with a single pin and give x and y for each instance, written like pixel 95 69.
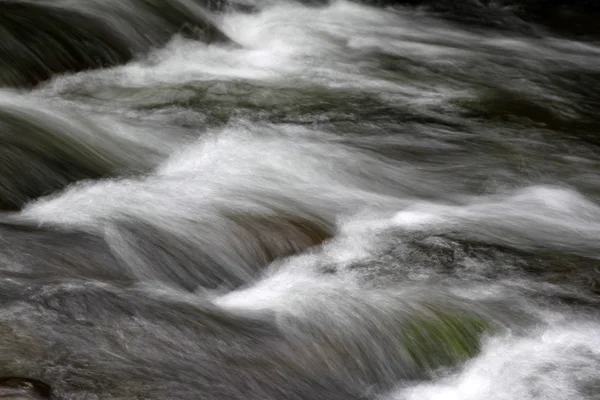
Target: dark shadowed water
pixel 272 200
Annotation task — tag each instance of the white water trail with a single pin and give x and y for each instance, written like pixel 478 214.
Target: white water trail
pixel 295 209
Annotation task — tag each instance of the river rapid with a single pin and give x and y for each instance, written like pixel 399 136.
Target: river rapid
pixel 273 200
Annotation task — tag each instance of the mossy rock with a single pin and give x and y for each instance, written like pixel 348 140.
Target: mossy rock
pixel 443 339
pixel 379 341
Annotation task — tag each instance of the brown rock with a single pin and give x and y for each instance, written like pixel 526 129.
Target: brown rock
pixel 23 389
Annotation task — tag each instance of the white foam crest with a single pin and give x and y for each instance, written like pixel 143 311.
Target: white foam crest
pixel 248 167
pixel 339 46
pixel 546 216
pixel 284 290
pixel 286 43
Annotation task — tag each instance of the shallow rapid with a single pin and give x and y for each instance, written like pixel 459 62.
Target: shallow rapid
pixel 278 200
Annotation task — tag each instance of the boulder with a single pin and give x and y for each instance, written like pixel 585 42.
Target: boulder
pixel 43 38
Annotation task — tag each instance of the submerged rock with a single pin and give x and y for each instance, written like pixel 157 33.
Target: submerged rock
pixel 23 389
pixel 411 347
pixel 44 150
pixel 45 147
pixel 41 39
pixel 36 160
pixel 193 259
pixel 93 341
pixel 375 337
pixel 443 339
pixel 92 338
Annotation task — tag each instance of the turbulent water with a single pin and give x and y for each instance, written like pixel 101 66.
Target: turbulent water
pixel 272 200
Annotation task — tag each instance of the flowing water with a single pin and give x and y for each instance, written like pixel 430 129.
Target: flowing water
pixel 310 201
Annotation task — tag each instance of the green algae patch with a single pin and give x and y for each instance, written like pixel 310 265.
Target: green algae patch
pixel 444 340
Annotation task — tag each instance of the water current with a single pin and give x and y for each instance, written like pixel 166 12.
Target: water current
pixel 277 200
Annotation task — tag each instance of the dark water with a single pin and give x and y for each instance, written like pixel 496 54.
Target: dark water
pixel 271 200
